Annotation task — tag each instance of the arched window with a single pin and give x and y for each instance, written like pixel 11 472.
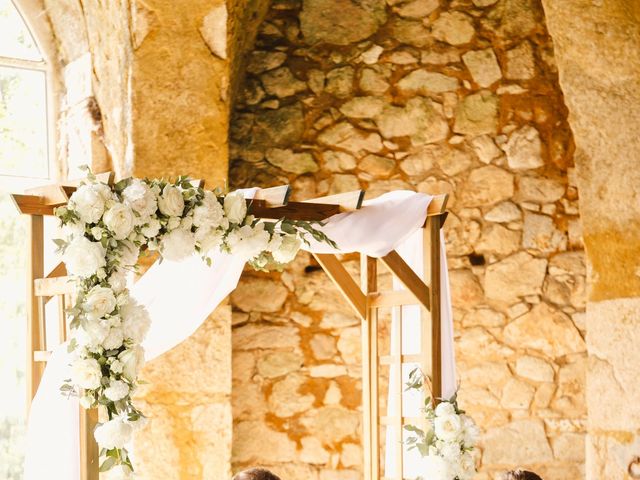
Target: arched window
pixel 26 154
pixel 24 130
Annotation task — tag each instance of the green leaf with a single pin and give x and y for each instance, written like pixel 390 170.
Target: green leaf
pixel 108 464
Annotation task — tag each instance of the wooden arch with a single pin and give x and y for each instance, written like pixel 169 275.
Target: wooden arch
pixel 364 297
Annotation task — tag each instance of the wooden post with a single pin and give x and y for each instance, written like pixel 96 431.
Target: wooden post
pixel 89 454
pixel 368 280
pixel 434 223
pixel 398 421
pixel 35 269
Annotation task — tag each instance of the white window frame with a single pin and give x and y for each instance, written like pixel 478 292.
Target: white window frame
pixel 36 22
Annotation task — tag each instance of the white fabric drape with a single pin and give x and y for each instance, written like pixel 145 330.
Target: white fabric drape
pixel 180 296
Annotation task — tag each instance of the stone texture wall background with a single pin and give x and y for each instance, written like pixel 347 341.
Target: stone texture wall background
pixel 453 96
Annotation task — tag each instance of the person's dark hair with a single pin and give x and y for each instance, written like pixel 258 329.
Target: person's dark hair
pixel 256 474
pixel 521 475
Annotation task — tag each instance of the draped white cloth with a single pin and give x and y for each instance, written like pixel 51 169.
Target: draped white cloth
pixel 181 295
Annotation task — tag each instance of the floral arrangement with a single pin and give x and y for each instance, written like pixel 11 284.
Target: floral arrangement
pixel 447 444
pixel 104 230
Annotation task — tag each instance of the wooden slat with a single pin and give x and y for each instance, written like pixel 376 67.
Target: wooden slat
pixel 62 319
pixel 293 210
pixel 35 269
pixel 403 272
pixel 392 419
pixel 392 359
pixel 49 194
pixel 48 287
pixel 343 280
pixel 274 196
pixel 41 355
pixel 434 297
pixel 347 201
pixel 392 298
pixel 89 454
pixel 438 204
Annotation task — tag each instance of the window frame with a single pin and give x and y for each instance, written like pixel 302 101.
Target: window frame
pixel 36 21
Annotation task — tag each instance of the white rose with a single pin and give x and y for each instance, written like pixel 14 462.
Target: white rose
pixel 71 230
pixel 88 203
pixel 448 427
pixel 83 257
pixel 105 192
pixel 117 472
pixel 235 207
pixel 116 390
pixel 99 302
pixel 177 244
pixel 140 198
pixel 118 280
pixel 173 222
pixel 451 451
pixel 286 248
pixel 86 373
pixel 132 360
pixel 471 431
pixel 92 334
pixel 152 228
pixel 171 202
pixel 114 339
pixel 129 253
pixel 119 219
pixel 115 433
pixel 466 467
pixel 96 232
pixel 135 321
pixel 117 366
pixel 248 241
pixel 210 213
pixel 445 408
pixel 434 467
pixel 208 238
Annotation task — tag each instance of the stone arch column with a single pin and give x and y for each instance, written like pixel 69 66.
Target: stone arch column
pixel 597 49
pixel 148 86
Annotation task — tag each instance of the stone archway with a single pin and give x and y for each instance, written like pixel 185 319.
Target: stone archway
pixel 598 54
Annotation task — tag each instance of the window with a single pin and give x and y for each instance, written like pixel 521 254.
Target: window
pixel 25 153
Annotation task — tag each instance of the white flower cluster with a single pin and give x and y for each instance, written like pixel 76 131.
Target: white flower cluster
pixel 105 228
pixel 449 444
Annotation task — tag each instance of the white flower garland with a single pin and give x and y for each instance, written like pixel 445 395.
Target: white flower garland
pixel 105 228
pixel 447 444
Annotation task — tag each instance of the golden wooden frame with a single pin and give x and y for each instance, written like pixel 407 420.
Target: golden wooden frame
pixel 365 299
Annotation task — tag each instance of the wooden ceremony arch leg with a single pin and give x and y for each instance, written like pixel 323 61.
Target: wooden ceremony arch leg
pixel 433 226
pixel 89 454
pixel 370 432
pixel 35 269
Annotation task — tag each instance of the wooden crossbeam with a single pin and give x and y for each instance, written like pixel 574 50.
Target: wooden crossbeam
pixel 403 272
pixel 393 298
pixel 48 287
pixel 347 201
pixel 343 280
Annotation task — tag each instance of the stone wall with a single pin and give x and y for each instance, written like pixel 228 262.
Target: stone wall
pixel 459 97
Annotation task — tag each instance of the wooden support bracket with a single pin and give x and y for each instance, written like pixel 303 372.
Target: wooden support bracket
pixel 403 272
pixel 345 283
